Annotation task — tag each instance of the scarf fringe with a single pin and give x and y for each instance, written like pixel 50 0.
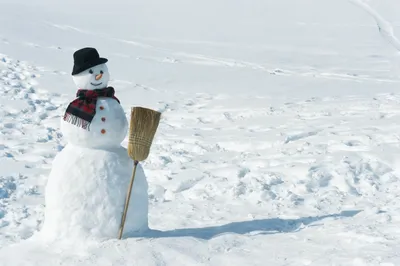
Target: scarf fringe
pixel 77 121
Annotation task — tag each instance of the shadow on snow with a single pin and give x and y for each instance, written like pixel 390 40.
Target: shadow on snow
pixel 253 227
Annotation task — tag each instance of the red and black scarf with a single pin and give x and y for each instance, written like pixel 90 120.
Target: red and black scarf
pixel 80 112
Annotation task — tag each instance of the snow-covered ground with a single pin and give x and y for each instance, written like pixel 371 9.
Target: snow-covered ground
pixel 279 141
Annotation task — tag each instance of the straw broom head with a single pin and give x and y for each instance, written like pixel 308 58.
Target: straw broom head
pixel 143 127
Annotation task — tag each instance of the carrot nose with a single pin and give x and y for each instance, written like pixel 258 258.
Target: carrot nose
pixel 99 76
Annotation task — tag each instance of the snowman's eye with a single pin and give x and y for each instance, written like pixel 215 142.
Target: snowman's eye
pixel 91 71
pixel 101 72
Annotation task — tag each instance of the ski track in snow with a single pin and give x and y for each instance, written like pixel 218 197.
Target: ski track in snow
pixel 181 57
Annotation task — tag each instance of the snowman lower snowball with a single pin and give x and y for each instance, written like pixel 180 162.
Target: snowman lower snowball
pixel 86 189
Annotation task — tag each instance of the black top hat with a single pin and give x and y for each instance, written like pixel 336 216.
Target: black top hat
pixel 86 58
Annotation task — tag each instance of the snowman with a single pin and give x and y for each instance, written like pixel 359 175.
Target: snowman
pixel 87 185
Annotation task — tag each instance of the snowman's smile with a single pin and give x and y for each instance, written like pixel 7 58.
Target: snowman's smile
pixel 96 84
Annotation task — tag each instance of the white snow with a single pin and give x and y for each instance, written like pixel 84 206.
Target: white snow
pixel 279 140
pixel 85 195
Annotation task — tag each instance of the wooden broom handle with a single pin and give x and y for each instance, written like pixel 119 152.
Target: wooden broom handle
pixel 128 196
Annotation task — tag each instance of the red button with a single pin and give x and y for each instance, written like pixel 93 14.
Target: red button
pixel 103 131
pixel 103 119
pixel 101 107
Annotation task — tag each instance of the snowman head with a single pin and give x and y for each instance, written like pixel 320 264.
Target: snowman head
pixel 90 71
pixel 96 77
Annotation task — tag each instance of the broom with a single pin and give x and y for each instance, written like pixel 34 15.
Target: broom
pixel 143 127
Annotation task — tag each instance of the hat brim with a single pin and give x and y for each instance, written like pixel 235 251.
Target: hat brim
pixel 99 61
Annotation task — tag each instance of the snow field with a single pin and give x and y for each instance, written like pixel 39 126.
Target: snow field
pixel 279 141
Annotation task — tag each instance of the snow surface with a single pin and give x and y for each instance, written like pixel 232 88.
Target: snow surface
pixel 280 134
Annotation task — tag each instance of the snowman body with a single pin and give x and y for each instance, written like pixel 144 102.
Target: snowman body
pixel 86 189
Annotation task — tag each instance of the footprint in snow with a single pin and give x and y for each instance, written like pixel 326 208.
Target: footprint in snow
pixel 187 184
pixel 353 143
pixel 302 135
pixel 7 186
pixel 243 172
pixel 9 125
pixel 228 116
pixel 157 193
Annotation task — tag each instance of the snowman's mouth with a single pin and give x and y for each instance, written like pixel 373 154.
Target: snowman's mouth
pixel 94 84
